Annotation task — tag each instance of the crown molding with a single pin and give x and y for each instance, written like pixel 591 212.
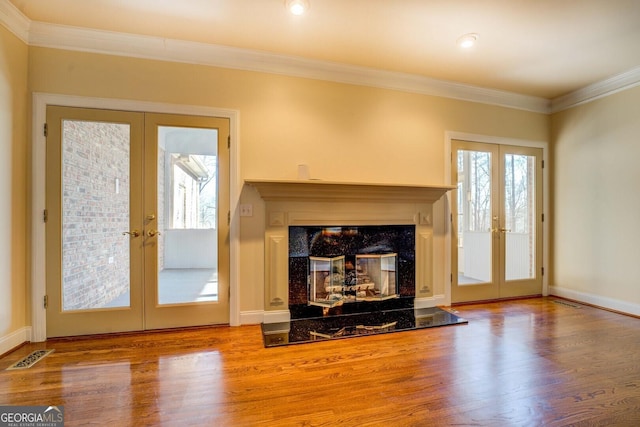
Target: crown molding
pixel 597 90
pixel 14 20
pixel 121 44
pixel 147 47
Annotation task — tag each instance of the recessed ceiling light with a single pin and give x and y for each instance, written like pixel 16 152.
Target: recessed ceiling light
pixel 467 41
pixel 297 7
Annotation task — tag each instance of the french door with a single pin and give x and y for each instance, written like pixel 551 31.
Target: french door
pixel 135 238
pixel 497 221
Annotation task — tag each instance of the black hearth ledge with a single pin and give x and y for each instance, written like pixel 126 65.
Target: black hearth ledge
pixel 349 325
pixel 307 311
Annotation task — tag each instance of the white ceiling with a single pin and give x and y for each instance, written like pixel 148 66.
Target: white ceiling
pixel 542 48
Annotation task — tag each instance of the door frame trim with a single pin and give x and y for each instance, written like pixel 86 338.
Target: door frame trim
pixel 488 139
pixel 38 161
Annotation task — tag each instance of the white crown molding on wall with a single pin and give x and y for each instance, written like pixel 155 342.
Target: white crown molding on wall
pixel 105 42
pixel 597 90
pixel 14 20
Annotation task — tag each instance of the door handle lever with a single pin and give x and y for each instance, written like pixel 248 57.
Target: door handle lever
pixel 133 233
pixel 501 230
pixel 152 233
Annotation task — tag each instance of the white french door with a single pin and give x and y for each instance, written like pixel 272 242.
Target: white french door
pixel 134 235
pixel 497 219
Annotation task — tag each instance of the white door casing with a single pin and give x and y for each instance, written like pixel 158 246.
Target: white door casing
pixel 40 102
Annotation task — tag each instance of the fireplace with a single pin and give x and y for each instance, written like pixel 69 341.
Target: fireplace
pixel 350 269
pixel 399 230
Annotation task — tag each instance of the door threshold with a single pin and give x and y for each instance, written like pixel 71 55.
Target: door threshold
pixel 134 333
pixel 488 301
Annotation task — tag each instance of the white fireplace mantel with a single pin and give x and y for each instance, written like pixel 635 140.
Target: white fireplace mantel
pixel 324 191
pixel 329 203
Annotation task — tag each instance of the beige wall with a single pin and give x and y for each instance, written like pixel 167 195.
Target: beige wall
pixel 596 207
pixel 13 185
pixel 343 132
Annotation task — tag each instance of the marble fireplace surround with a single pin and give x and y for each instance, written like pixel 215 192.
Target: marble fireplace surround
pixel 324 203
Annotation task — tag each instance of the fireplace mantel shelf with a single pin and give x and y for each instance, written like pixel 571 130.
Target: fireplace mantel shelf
pixel 331 191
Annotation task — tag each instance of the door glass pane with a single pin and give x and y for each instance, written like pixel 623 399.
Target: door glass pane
pixel 474 217
pixel 95 213
pixel 187 217
pixel 520 216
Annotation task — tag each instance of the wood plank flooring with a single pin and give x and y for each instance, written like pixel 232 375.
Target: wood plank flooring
pixel 533 362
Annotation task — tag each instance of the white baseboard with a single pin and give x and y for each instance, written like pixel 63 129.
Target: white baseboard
pixel 428 302
pixel 15 339
pixel 597 300
pixel 255 317
pixel 277 316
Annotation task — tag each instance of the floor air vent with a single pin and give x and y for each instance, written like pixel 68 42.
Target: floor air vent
pixel 30 360
pixel 567 303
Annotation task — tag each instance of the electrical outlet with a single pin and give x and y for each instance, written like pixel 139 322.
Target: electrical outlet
pixel 246 210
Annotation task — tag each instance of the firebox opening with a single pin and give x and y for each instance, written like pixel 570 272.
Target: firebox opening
pixel 350 269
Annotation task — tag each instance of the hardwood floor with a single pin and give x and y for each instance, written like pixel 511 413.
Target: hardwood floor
pixel 533 362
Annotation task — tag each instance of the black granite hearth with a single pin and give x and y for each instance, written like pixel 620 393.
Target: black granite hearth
pixel 339 326
pixel 340 287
